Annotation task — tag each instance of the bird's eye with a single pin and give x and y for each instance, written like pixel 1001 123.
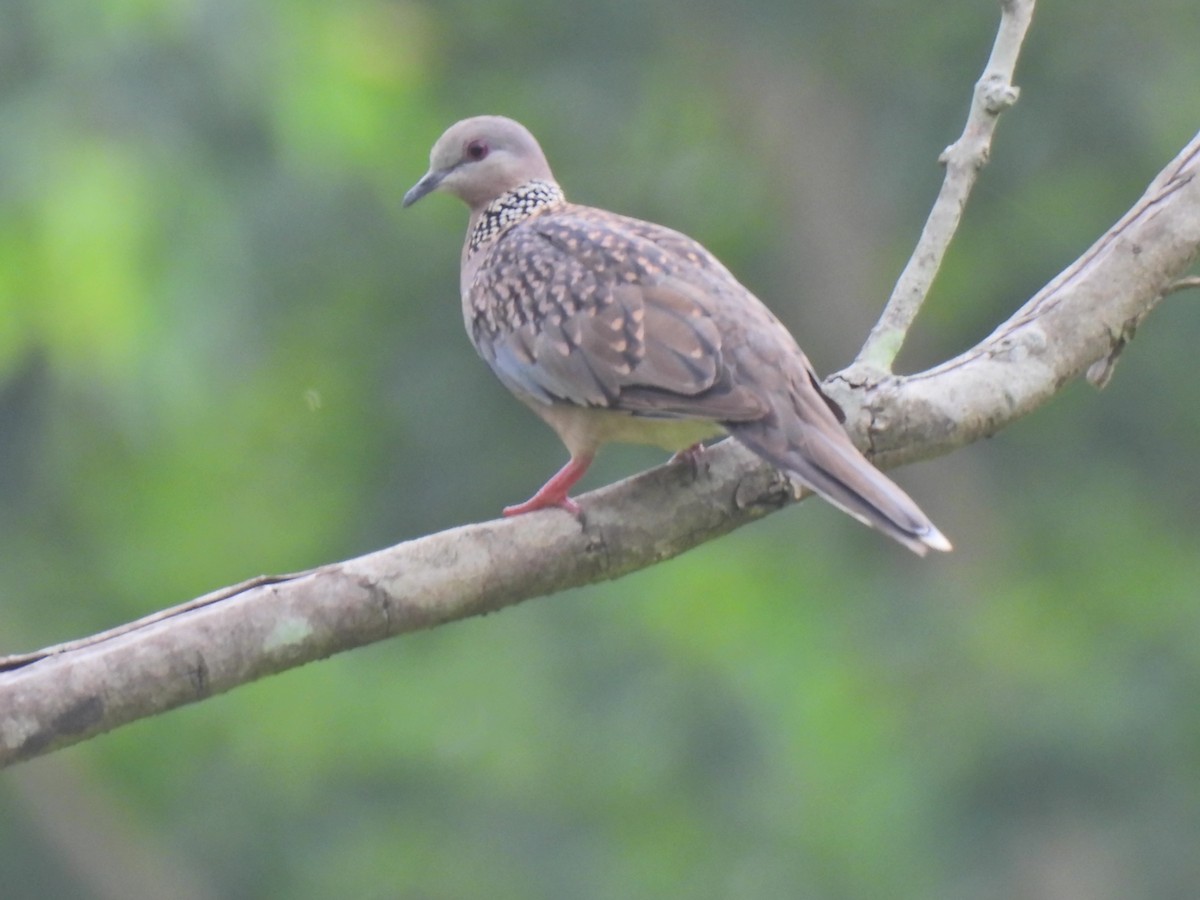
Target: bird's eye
pixel 477 150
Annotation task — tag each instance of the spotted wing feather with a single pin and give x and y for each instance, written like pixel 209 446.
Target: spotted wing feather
pixel 567 309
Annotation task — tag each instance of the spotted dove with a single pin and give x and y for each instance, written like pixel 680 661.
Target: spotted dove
pixel 615 329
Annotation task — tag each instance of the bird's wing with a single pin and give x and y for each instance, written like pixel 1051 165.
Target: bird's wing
pixel 573 309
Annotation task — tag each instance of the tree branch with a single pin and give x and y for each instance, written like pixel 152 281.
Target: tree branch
pixel 1087 314
pixel 1078 323
pixel 994 93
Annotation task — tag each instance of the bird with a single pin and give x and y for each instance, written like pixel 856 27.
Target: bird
pixel 613 329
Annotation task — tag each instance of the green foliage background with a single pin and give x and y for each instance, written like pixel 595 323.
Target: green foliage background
pixel 225 350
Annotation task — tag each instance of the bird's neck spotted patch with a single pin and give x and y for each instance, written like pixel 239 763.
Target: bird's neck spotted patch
pixel 512 207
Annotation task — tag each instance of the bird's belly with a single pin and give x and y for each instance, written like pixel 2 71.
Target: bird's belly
pixel 584 429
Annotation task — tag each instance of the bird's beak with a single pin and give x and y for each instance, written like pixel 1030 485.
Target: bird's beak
pixel 426 185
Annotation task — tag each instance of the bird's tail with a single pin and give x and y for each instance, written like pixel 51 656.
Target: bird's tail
pixel 821 457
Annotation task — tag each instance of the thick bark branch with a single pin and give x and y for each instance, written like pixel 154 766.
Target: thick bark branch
pixel 1084 317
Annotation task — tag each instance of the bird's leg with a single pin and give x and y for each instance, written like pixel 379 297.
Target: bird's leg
pixel 693 456
pixel 554 491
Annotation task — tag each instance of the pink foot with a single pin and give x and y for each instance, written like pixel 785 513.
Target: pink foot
pixel 554 492
pixel 537 501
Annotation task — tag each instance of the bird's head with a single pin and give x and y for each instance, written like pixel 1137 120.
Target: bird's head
pixel 480 159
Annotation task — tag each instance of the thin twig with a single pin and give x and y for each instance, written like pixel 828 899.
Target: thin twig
pixel 1183 284
pixel 994 93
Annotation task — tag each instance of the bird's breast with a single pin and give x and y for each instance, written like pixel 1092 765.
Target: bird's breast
pixel 585 429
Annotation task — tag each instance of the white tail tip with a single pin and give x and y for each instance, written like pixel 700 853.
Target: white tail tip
pixel 935 540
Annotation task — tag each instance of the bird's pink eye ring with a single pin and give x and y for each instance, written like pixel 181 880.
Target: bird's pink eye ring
pixel 477 150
